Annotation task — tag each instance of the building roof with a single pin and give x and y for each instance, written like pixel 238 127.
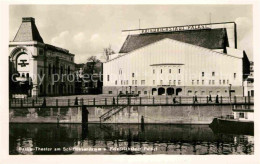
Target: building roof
pixel 28 31
pixel 207 38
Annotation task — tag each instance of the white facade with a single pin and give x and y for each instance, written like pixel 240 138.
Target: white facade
pixel 170 63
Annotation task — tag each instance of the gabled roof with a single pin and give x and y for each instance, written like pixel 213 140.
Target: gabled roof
pixel 28 31
pixel 207 38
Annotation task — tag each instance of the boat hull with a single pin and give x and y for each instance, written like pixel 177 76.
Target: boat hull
pixel 232 126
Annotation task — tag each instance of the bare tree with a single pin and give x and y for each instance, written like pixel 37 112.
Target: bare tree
pixel 108 51
pixel 92 60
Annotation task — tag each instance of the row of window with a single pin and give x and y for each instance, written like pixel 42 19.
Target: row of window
pixel 133 74
pixel 139 92
pixel 53 69
pixel 211 82
pixel 170 71
pixel 204 92
pixel 213 74
pixel 55 89
pixel 134 82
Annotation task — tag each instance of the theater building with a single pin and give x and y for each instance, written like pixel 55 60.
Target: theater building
pixel 184 60
pixel 47 69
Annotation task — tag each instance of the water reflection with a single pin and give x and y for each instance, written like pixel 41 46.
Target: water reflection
pixel 124 139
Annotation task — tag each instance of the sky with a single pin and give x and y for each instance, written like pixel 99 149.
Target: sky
pixel 85 30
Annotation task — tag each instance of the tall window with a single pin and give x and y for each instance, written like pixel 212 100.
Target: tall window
pixel 161 82
pixel 49 70
pixel 202 74
pixel 121 82
pixel 202 82
pixel 174 82
pixel 133 82
pixel 53 69
pixel 49 88
pixel 198 82
pixel 235 75
pixel 142 82
pixel 153 82
pixel 53 88
pixel 153 71
pixel 224 81
pixel 227 81
pixel 179 82
pixel 213 73
pixel 213 82
pixel 133 74
pixel 192 82
pixel 61 70
pixel 107 77
pixel 179 70
pixel 220 82
pixel 170 82
pixel 116 82
pixel 209 82
pixel 68 69
pixel 170 71
pixel 161 70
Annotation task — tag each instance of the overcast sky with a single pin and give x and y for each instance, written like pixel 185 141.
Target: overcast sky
pixel 86 29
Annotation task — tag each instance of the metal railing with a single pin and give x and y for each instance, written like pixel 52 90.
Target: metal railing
pixel 121 101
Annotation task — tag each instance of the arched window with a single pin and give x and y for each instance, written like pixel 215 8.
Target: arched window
pixel 53 69
pixel 49 88
pixel 61 70
pixel 68 69
pixel 23 75
pixel 49 69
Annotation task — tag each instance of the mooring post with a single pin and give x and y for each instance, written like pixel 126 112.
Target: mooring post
pixel 248 99
pixel 33 102
pixel 94 101
pixel 142 120
pixel 68 102
pixel 140 100
pixel 221 99
pixel 82 101
pixel 207 100
pixel 105 101
pixel 84 115
pixel 56 102
pixel 153 100
pixel 21 103
pixel 235 99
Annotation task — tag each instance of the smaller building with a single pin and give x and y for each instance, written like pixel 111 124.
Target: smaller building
pixel 249 82
pixel 89 78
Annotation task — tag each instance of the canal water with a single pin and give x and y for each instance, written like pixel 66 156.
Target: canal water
pixel 75 139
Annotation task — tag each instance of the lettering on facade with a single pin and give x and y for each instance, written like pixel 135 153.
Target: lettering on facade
pixel 23 64
pixel 176 28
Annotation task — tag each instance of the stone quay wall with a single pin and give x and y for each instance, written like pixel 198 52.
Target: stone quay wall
pixel 129 114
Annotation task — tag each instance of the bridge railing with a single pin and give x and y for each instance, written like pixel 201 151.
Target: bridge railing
pixel 42 102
